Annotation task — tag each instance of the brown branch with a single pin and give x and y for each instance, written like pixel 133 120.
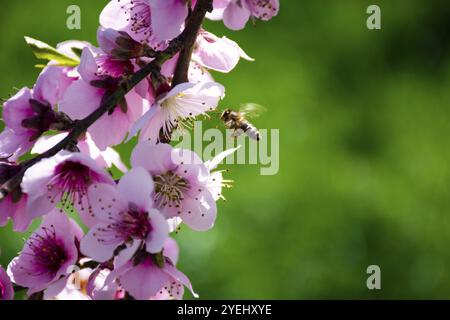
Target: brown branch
pixel 195 22
pixel 184 43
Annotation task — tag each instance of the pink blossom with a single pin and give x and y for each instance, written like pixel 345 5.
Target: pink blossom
pixel 183 102
pixel 220 54
pixel 180 183
pixel 153 22
pixel 214 182
pixel 151 278
pixel 63 178
pixel 105 159
pixel 125 214
pixel 236 13
pixel 29 113
pixel 99 77
pixel 46 259
pixel 6 288
pixel 25 120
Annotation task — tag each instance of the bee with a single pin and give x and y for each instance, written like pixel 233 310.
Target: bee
pixel 238 120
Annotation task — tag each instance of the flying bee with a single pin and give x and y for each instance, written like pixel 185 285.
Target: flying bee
pixel 238 120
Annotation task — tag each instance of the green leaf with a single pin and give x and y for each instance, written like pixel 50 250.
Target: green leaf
pixel 46 52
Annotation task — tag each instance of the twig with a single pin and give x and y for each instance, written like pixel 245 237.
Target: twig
pixel 195 22
pixel 184 43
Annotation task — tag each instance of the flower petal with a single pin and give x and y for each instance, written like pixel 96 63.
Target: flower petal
pixel 154 158
pixel 96 247
pixel 106 202
pixel 200 215
pixel 159 234
pixel 235 16
pixel 137 187
pixel 144 281
pixel 180 277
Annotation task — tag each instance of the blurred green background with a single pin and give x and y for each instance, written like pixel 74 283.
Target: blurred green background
pixel 364 173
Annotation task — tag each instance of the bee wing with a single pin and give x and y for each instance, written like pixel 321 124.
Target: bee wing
pixel 252 110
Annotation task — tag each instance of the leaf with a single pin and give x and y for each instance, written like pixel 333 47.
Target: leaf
pixel 46 52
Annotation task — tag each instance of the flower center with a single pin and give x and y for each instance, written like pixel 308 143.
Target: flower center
pixel 129 225
pixel 47 251
pixel 169 189
pixel 70 183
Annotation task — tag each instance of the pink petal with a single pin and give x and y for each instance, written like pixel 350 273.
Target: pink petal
pixel 113 16
pixel 36 178
pixel 16 109
pixel 171 250
pixel 126 254
pixel 144 281
pixel 151 130
pixel 52 84
pixel 12 145
pixel 92 246
pixel 106 201
pixel 159 234
pixel 168 18
pixel 236 16
pixel 19 214
pixel 39 206
pixel 196 99
pixel 80 100
pixel 154 158
pixel 137 187
pixel 215 53
pixel 145 121
pixel 180 277
pixel 197 73
pixel 137 105
pixel 88 66
pixel 101 131
pixel 200 215
pixel 17 275
pixel 55 288
pixel 45 143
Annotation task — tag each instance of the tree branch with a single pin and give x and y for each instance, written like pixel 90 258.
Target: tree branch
pixel 195 22
pixel 184 43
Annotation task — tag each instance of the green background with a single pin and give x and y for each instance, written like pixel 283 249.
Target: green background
pixel 364 175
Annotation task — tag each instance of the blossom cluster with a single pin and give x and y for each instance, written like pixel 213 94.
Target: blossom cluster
pixel 121 247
